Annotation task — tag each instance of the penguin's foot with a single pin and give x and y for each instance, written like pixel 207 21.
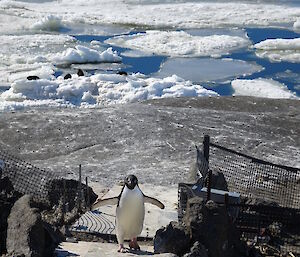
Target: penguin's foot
pixel 122 249
pixel 134 245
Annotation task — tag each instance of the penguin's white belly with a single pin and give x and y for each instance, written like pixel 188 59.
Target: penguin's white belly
pixel 130 213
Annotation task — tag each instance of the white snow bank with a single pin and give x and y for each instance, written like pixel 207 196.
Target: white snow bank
pixel 180 43
pixel 82 54
pixel 48 23
pixel 96 90
pixel 267 88
pixel 278 50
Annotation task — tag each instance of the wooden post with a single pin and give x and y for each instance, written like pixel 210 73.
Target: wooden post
pixel 79 189
pixel 206 147
pixel 87 202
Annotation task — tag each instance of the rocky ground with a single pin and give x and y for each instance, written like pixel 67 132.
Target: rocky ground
pixel 153 139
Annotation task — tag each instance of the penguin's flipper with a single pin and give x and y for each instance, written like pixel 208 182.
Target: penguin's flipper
pixel 107 201
pixel 148 199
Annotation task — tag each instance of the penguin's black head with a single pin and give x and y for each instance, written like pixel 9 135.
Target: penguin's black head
pixel 131 181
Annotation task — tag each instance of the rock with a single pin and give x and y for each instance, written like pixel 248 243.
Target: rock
pixel 7 199
pixel 27 234
pixel 198 250
pixel 54 216
pixel 218 180
pixel 172 239
pixel 210 224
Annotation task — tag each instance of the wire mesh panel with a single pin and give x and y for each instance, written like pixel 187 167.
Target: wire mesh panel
pixel 268 183
pixel 270 197
pixel 26 178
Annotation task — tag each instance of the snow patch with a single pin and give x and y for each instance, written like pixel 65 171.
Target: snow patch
pixel 267 88
pixel 48 23
pixel 82 54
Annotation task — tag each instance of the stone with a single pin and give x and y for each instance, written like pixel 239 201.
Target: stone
pixel 197 250
pixel 210 224
pixel 27 234
pixel 172 239
pixel 7 199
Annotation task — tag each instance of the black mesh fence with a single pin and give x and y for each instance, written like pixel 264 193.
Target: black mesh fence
pixel 253 178
pixel 269 194
pixel 26 178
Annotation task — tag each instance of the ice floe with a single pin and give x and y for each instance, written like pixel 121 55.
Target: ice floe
pixel 24 55
pixel 180 43
pixel 206 69
pixel 99 89
pixel 157 14
pixel 267 88
pixel 279 50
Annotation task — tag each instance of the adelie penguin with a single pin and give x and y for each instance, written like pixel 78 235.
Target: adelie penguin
pixel 130 212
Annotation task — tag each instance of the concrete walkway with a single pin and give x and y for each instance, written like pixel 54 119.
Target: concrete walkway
pixel 102 221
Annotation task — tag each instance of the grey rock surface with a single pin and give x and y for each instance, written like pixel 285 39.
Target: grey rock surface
pixel 197 250
pixel 155 139
pixel 26 233
pixel 209 224
pixel 172 239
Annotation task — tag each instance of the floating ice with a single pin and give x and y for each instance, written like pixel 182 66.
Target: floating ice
pixel 82 54
pixel 204 69
pixel 156 14
pixel 297 24
pixel 96 90
pixel 267 88
pixel 24 55
pixel 180 43
pixel 48 23
pixel 279 50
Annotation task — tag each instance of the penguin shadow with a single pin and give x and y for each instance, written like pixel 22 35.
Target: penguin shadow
pixel 138 252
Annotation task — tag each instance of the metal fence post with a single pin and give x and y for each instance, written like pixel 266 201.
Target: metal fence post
pixel 87 202
pixel 79 189
pixel 206 147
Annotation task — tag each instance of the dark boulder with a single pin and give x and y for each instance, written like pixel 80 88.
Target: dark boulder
pixel 172 239
pixel 218 180
pixel 198 250
pixel 7 199
pixel 210 224
pixel 27 234
pixel 65 205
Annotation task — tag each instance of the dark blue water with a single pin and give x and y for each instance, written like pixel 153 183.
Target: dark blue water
pixel 151 64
